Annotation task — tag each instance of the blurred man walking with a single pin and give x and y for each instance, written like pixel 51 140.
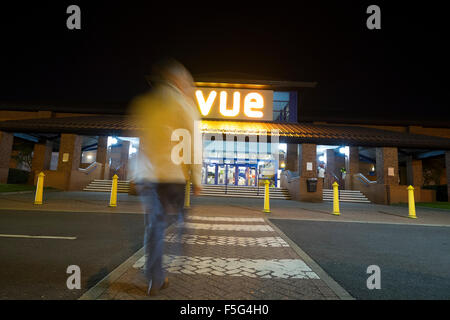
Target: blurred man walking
pixel 159 180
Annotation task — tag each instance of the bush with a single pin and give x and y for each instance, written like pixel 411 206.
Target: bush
pixel 17 176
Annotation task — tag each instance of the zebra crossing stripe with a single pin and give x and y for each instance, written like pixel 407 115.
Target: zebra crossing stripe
pixel 228 227
pixel 254 268
pixel 225 219
pixel 272 242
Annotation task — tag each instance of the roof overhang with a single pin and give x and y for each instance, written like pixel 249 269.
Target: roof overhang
pixel 245 83
pixel 120 125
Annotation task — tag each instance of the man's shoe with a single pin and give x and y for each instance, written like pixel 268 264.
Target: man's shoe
pixel 165 283
pixel 155 291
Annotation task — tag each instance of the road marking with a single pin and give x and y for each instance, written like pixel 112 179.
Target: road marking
pixel 225 219
pixel 330 282
pixel 413 223
pixel 228 227
pixel 271 242
pixel 254 268
pixel 35 237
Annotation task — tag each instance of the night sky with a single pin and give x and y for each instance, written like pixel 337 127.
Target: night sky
pixel 398 74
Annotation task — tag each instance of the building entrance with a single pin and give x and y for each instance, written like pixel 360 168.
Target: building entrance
pixel 230 174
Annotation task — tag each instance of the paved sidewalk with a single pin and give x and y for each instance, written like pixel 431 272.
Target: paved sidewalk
pixel 224 258
pixel 72 201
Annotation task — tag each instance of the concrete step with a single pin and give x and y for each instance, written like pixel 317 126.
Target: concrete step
pixel 206 187
pixel 123 186
pixel 243 192
pixel 343 191
pixel 207 190
pixel 355 196
pixel 243 196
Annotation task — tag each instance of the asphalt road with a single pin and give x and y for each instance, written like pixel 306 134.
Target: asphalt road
pixel 36 268
pixel 414 260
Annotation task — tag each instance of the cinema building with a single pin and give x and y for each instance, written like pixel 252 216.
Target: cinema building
pixel 252 130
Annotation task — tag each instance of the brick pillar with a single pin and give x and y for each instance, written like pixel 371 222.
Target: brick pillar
pixel 307 154
pixel 6 143
pixel 124 154
pixel 447 168
pixel 387 166
pixel 352 167
pixel 414 174
pixel 102 154
pixel 307 162
pixel 292 157
pixel 69 155
pixel 42 156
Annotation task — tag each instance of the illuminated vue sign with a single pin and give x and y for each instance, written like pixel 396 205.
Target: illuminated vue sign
pixel 243 104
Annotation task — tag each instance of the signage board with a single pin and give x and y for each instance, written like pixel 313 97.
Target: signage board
pixel 235 104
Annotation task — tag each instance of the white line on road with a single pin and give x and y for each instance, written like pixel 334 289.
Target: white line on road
pixel 231 219
pixel 35 237
pixel 228 227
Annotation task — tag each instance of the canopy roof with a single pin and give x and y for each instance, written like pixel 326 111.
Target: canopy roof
pixel 120 125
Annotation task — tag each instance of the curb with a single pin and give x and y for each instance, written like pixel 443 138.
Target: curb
pixel 103 285
pixel 413 223
pixel 330 282
pixel 98 289
pixel 15 192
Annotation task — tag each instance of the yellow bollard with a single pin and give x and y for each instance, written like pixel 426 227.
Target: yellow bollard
pixel 336 199
pixel 411 203
pixel 266 196
pixel 187 195
pixel 39 189
pixel 113 199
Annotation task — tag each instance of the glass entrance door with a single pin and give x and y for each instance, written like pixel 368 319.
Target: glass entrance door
pixel 242 175
pixel 236 175
pixel 231 174
pixel 247 175
pixel 211 174
pixel 252 175
pixel 221 174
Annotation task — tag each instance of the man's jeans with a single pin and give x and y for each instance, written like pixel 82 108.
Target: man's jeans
pixel 158 200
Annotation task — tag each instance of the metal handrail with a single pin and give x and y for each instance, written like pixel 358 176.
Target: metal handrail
pixel 363 179
pixel 338 180
pixel 88 169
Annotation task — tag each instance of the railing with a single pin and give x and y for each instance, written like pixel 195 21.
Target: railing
pixel 88 169
pixel 337 179
pixel 291 174
pixel 115 170
pixel 364 180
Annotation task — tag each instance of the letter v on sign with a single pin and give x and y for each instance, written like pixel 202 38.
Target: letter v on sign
pixel 205 106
